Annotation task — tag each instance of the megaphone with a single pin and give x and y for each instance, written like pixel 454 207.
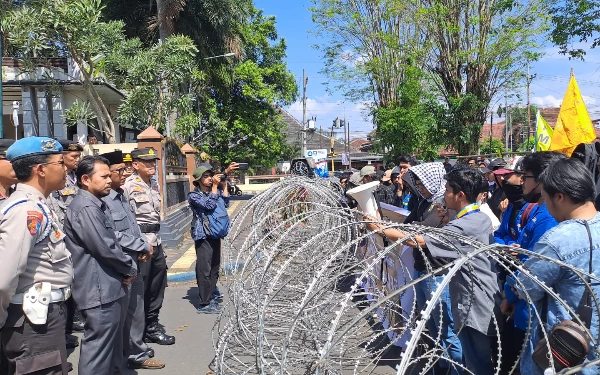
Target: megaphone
pixel 363 195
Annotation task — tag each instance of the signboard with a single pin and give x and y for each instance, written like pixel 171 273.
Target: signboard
pixel 345 158
pixel 320 158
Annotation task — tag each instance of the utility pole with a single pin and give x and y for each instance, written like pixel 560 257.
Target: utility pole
pixel 529 79
pixel 1 111
pixel 349 159
pixel 506 123
pixel 304 82
pixel 491 127
pixel 321 137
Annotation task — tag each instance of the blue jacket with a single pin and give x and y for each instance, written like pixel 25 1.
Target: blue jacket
pixel 201 202
pixel 538 223
pixel 503 235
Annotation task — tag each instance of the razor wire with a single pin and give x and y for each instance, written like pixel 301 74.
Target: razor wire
pixel 314 292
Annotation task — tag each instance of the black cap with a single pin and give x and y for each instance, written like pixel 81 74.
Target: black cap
pixel 115 157
pixel 4 145
pixel 497 163
pixel 147 153
pixel 70 146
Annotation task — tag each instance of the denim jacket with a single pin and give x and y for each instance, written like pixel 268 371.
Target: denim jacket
pixel 538 223
pixel 568 242
pixel 201 202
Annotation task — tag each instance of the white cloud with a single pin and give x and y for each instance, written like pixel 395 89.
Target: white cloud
pixel 546 101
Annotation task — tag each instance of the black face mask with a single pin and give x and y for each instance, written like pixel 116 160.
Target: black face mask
pixel 513 192
pixel 532 196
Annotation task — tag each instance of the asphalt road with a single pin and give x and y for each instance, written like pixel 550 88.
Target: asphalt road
pixel 193 349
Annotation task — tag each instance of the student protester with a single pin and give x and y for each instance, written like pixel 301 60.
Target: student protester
pixel 568 190
pixel 209 196
pixel 538 222
pixel 447 165
pixel 428 180
pixel 483 197
pixel 475 324
pixel 368 174
pixel 404 197
pixel 497 195
pixel 385 191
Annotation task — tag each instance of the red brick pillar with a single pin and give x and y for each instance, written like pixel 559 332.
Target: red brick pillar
pixel 190 159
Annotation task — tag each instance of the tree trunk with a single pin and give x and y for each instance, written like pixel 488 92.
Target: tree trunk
pixel 105 121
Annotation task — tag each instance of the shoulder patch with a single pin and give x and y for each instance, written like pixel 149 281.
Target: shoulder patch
pixel 34 221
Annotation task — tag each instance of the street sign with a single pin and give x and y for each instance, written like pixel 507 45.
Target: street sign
pixel 345 158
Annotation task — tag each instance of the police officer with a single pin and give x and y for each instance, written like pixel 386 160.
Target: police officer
pixel 133 243
pixel 59 201
pixel 36 270
pixel 128 167
pixel 144 196
pixel 7 174
pixel 103 271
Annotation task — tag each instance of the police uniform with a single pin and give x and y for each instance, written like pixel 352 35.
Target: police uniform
pixel 35 274
pixel 145 200
pixel 59 201
pixel 133 243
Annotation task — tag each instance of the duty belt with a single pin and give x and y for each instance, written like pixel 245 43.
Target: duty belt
pixel 150 228
pixel 56 295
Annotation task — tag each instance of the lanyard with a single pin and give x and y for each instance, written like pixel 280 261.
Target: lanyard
pixel 470 209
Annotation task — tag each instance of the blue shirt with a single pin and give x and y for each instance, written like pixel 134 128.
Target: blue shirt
pixel 538 223
pixel 506 235
pixel 202 202
pixel 567 242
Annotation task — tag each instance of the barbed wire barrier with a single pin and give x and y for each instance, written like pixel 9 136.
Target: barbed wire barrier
pixel 314 292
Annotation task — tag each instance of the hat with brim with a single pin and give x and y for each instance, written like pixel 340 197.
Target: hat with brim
pixel 147 153
pixel 355 179
pixel 203 168
pixel 70 146
pixel 503 171
pixel 387 176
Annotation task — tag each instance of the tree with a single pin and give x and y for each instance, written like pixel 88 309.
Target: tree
pixel 410 126
pixel 242 123
pixel 70 28
pixel 575 21
pixel 473 49
pixel 497 147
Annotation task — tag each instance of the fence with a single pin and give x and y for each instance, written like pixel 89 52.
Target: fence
pixel 177 181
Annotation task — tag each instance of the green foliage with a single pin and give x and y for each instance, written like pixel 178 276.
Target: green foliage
pixel 409 126
pixel 78 112
pixel 575 21
pixel 527 146
pixel 497 147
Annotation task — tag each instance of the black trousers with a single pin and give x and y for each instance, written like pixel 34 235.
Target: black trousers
pixel 208 260
pixel 32 348
pixel 154 273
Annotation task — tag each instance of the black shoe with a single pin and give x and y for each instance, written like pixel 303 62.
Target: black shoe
pixel 159 338
pixel 69 366
pixel 150 352
pixel 217 295
pixel 72 341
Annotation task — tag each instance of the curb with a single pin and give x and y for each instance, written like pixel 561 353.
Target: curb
pixel 184 277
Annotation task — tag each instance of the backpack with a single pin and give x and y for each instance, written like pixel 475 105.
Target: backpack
pixel 216 222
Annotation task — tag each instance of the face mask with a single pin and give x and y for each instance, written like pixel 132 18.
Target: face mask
pixel 532 196
pixel 490 183
pixel 513 192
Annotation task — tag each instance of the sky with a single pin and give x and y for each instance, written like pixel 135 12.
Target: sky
pixel 294 24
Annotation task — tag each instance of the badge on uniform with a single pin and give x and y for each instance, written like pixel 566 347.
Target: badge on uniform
pixel 34 222
pixel 138 179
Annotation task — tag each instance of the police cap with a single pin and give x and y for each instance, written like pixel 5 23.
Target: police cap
pixel 115 157
pixel 70 146
pixel 127 158
pixel 4 145
pixel 32 146
pixel 146 153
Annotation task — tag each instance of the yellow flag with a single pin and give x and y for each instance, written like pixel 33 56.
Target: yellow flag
pixel 574 125
pixel 544 133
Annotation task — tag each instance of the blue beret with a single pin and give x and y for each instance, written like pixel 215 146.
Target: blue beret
pixel 32 146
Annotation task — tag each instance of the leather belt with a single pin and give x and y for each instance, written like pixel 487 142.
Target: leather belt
pixel 56 295
pixel 150 228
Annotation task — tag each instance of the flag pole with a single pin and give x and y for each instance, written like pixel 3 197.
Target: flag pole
pixel 535 140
